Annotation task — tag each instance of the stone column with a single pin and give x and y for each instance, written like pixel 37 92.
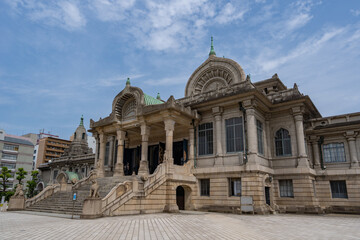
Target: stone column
pixel 119 166
pixel 251 135
pixel 144 166
pixel 102 150
pixel 268 142
pixel 300 139
pixel 169 128
pixel 351 137
pixel 315 151
pixel 191 144
pixel 111 151
pixel 217 111
pixel 96 136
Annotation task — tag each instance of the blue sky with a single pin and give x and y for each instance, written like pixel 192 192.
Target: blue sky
pixel 61 59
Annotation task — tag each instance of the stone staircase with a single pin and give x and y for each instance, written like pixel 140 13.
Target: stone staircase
pixel 61 202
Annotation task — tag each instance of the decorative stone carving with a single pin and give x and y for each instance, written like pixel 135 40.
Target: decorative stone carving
pixel 19 191
pixel 94 189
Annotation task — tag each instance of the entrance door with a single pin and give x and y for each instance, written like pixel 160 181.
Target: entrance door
pixel 267 195
pixel 153 157
pixel 180 197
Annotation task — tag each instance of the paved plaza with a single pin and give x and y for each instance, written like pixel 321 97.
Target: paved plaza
pixel 186 225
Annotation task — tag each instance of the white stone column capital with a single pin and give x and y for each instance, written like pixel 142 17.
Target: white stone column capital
pixel 120 135
pixel 169 125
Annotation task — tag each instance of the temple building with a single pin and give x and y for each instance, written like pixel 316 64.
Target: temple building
pixel 77 159
pixel 226 140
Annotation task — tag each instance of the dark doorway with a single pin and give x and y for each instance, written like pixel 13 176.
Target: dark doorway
pixel 267 195
pixel 180 152
pixel 153 157
pixel 131 160
pixel 180 197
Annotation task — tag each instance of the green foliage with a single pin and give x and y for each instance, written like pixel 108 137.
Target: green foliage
pixel 4 176
pixel 21 173
pixel 31 185
pixel 7 195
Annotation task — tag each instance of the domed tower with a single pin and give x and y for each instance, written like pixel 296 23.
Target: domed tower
pixel 79 145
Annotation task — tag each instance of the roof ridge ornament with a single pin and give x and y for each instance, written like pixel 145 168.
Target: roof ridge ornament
pixel 81 120
pixel 158 96
pixel 128 82
pixel 212 51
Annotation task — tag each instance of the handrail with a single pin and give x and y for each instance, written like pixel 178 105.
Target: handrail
pixel 45 193
pixel 113 196
pixel 85 180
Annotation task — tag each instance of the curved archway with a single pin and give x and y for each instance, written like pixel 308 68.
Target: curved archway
pixel 180 197
pixel 183 197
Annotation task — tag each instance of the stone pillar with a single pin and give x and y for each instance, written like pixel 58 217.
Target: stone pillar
pixel 217 111
pixel 102 150
pixel 119 166
pixel 251 135
pixel 351 137
pixel 111 151
pixel 169 128
pixel 144 166
pixel 191 144
pixel 96 136
pixel 300 139
pixel 315 151
pixel 268 142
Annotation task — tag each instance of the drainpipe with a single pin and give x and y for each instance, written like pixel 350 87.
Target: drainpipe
pixel 243 110
pixel 320 142
pixel 193 123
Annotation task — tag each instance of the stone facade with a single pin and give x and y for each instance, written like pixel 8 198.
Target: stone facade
pixel 77 158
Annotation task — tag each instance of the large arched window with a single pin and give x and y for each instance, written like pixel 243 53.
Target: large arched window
pixel 282 142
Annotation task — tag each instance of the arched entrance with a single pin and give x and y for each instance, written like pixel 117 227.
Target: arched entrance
pixel 180 197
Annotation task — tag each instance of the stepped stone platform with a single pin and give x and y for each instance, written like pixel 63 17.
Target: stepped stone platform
pixel 61 202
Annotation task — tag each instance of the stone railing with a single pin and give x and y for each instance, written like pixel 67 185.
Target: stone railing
pixel 125 191
pixel 120 194
pixel 85 180
pixel 45 193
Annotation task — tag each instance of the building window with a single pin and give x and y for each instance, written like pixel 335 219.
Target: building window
pixel 9 156
pixel 334 152
pixel 234 135
pixel 8 165
pixel 107 152
pixel 286 188
pixel 205 187
pixel 260 141
pixel 235 187
pixel 206 139
pixel 83 136
pixel 338 189
pixel 283 143
pixel 11 147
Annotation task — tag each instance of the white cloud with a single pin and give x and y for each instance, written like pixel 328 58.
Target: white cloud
pixel 111 10
pixel 65 14
pixel 355 12
pixel 230 13
pixel 309 46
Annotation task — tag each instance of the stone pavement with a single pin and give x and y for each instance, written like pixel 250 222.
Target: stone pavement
pixel 186 225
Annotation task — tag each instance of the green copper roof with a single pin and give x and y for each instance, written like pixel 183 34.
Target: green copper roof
pixel 150 100
pixel 72 175
pixel 82 121
pixel 212 51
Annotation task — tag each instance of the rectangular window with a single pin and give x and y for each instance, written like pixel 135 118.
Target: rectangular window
pixel 205 187
pixel 234 135
pixel 8 165
pixel 334 152
pixel 11 147
pixel 260 141
pixel 286 188
pixel 338 189
pixel 9 156
pixel 235 186
pixel 206 139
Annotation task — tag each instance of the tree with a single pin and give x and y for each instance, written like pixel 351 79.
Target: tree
pixel 5 175
pixel 31 185
pixel 21 173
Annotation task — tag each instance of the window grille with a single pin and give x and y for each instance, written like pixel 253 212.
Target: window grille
pixel 234 135
pixel 283 143
pixel 334 152
pixel 286 188
pixel 206 139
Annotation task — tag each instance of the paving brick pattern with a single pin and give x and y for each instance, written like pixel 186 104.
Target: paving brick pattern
pixel 187 225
